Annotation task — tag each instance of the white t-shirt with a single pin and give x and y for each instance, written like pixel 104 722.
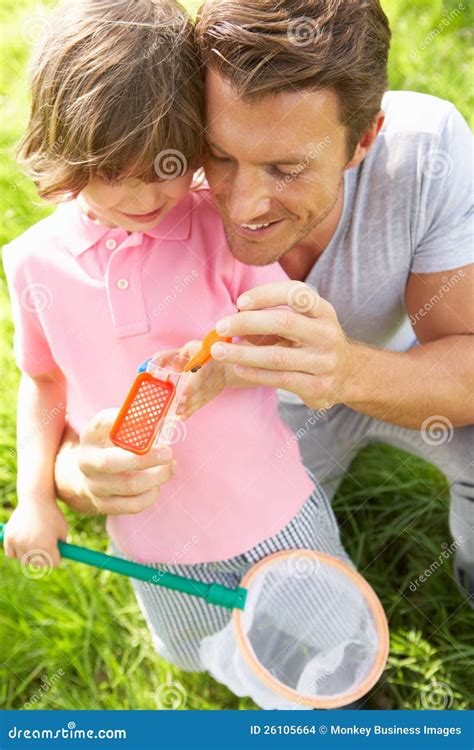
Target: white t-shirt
pixel 407 208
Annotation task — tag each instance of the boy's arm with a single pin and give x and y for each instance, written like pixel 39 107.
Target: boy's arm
pixel 40 425
pixel 37 523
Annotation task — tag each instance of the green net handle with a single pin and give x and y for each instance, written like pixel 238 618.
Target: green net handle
pixel 214 593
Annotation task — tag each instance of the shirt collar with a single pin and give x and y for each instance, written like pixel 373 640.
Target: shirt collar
pixel 81 233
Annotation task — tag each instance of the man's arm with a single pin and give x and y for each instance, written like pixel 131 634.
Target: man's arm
pixel 434 378
pixel 323 367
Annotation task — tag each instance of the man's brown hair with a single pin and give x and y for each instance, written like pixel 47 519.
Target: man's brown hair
pixel 266 47
pixel 115 84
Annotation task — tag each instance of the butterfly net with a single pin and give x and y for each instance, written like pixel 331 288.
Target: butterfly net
pixel 310 636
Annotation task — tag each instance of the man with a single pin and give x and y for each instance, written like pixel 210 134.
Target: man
pixel 365 197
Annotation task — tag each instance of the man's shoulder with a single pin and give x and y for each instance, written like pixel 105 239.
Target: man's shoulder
pixel 415 114
pixel 417 128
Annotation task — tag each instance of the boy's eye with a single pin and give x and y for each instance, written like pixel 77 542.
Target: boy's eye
pixel 218 158
pixel 108 180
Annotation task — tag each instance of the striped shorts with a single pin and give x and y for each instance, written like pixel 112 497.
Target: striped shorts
pixel 179 622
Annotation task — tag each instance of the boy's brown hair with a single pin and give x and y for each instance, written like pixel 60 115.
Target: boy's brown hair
pixel 266 47
pixel 116 86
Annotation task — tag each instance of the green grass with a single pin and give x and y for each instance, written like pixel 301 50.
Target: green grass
pixel 76 639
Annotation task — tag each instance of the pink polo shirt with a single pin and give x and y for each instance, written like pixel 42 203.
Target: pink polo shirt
pixel 96 302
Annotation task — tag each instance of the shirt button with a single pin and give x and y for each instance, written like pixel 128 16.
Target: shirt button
pixel 110 244
pixel 122 284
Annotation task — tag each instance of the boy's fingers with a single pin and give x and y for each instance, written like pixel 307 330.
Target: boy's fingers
pixel 120 505
pixel 55 558
pixel 176 359
pixel 9 548
pixel 97 431
pixel 114 460
pixel 193 405
pixel 132 484
pixel 166 359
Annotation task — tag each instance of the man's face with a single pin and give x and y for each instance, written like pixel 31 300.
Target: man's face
pixel 277 162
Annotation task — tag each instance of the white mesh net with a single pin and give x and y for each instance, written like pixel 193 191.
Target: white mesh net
pixel 311 635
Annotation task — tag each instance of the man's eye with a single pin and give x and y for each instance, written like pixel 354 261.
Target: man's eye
pixel 293 172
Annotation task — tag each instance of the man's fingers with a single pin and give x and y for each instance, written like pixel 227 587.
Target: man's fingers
pixel 272 357
pixel 279 322
pixel 288 381
pixel 96 461
pixel 301 297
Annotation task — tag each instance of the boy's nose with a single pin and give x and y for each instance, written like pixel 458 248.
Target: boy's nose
pixel 145 197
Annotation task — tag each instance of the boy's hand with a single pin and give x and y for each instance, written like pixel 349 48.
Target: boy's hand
pixel 114 480
pixel 33 532
pixel 202 386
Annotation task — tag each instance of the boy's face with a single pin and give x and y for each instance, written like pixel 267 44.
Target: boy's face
pixel 131 204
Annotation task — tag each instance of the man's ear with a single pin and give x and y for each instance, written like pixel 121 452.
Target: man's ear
pixel 366 141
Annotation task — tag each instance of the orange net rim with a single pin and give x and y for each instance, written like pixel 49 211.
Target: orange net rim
pixel 375 606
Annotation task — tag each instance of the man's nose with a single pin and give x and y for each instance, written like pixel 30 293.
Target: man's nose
pixel 248 198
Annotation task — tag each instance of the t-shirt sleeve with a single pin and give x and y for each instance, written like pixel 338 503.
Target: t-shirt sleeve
pixel 246 277
pixel 445 220
pixel 29 299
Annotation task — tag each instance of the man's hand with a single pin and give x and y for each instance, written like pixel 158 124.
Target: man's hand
pixel 313 356
pixel 94 476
